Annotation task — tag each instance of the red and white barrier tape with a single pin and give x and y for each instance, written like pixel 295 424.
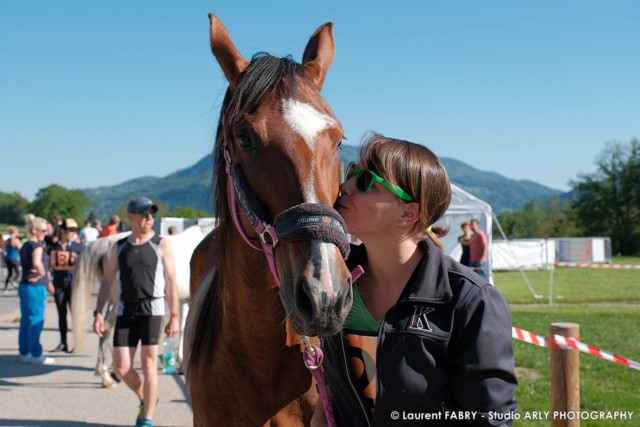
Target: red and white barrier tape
pixel 571 343
pixel 591 265
pixel 530 337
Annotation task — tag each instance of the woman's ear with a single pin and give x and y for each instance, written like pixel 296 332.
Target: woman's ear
pixel 410 213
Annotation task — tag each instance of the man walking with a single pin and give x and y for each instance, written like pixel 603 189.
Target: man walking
pixel 146 265
pixel 479 250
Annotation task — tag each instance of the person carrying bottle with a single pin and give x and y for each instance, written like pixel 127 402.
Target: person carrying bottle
pixel 146 265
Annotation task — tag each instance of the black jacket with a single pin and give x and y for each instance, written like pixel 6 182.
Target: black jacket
pixel 444 348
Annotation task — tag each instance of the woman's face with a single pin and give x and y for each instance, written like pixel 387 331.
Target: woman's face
pixel 368 214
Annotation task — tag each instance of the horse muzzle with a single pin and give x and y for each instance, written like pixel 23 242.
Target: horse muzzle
pixel 317 293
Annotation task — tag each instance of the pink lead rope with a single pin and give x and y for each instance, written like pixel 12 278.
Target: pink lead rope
pixel 313 358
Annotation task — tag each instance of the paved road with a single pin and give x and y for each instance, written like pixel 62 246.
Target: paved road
pixel 67 393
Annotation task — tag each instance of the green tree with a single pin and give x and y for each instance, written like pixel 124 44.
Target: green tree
pixel 608 201
pixel 57 200
pixel 540 219
pixel 92 217
pixel 13 207
pixel 189 212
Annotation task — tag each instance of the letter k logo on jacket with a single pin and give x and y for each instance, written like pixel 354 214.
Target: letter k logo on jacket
pixel 419 319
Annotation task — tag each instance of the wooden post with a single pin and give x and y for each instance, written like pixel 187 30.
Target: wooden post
pixel 565 378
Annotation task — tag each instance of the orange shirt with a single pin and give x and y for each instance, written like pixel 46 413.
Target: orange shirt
pixel 108 231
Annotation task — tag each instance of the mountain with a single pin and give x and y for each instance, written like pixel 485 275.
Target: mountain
pixel 191 187
pixel 187 187
pixel 503 194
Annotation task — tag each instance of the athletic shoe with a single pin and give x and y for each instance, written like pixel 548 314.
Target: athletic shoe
pixel 26 358
pixel 61 347
pixel 144 422
pixel 43 360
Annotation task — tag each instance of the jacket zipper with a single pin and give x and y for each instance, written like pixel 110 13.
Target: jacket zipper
pixel 378 382
pixel 353 388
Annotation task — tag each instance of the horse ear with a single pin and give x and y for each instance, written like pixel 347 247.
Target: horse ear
pixel 319 54
pixel 229 58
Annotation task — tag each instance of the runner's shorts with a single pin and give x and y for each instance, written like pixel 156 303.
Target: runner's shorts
pixel 131 329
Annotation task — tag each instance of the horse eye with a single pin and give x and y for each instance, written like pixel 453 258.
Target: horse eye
pixel 244 140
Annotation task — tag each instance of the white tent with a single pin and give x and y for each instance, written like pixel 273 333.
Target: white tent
pixel 464 207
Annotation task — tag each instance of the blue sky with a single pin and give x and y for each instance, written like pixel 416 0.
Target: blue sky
pixel 96 93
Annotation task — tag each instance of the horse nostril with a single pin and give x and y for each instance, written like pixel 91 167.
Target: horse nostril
pixel 305 298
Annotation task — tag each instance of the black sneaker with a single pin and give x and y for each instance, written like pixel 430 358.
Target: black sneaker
pixel 61 347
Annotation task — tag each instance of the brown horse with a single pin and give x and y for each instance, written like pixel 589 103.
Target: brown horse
pixel 276 160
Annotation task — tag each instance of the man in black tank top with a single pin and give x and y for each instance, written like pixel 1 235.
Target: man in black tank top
pixel 147 270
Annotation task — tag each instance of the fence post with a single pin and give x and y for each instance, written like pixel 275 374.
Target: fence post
pixel 565 378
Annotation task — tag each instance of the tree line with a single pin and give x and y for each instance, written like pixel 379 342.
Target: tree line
pixel 69 203
pixel 605 203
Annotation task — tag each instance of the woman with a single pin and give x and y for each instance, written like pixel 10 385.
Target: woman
pixel 426 338
pixel 33 293
pixel 465 242
pixel 12 256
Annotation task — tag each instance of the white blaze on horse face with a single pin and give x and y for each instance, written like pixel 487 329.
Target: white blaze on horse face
pixel 308 123
pixel 306 120
pixel 323 258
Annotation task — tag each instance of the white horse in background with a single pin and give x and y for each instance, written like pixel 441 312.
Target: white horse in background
pixel 89 273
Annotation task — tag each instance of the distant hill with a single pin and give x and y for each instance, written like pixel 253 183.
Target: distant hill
pixel 191 187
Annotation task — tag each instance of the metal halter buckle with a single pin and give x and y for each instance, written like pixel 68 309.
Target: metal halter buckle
pixel 273 236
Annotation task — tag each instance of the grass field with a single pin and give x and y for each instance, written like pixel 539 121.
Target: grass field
pixel 606 305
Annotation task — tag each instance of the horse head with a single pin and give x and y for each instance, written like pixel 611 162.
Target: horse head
pixel 277 140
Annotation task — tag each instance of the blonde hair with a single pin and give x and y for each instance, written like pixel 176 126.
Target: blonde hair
pixel 419 172
pixel 37 222
pixel 27 220
pixel 11 229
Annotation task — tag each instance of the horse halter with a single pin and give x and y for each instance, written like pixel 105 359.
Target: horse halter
pixel 305 221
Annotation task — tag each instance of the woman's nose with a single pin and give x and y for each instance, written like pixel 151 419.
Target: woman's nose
pixel 347 187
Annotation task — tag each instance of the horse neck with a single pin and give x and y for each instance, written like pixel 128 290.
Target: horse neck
pixel 252 305
pixel 253 350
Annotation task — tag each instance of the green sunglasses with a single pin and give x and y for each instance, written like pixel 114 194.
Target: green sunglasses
pixel 365 179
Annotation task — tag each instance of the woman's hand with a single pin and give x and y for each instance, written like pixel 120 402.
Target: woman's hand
pixel 34 275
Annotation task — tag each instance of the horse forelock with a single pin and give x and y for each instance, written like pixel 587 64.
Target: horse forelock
pixel 266 74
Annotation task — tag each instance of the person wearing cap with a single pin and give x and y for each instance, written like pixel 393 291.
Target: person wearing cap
pixel 146 265
pixel 112 228
pixel 63 257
